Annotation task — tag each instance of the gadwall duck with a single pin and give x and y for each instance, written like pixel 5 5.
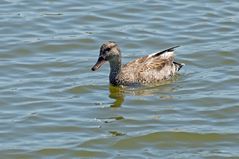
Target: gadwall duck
pixel 149 69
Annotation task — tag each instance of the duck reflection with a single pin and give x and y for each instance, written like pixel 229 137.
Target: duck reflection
pixel 118 93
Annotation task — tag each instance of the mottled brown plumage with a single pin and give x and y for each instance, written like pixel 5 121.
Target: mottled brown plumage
pixel 149 69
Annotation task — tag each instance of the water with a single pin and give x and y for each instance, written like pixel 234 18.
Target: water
pixel 53 106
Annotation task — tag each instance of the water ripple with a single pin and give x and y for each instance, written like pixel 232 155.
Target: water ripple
pixel 53 106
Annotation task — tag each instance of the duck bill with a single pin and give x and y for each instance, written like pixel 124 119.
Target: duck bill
pixel 98 64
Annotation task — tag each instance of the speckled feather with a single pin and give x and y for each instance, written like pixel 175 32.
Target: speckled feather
pixel 149 69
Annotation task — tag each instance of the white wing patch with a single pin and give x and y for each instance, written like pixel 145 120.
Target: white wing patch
pixel 165 55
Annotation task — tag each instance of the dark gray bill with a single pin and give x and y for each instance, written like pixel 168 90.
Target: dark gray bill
pixel 98 64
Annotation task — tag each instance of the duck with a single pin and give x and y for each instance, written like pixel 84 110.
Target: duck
pixel 149 69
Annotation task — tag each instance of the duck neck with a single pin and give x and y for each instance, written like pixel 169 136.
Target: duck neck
pixel 115 68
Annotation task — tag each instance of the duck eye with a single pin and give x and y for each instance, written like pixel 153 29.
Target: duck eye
pixel 107 49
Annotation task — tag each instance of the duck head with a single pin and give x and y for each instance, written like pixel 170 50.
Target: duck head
pixel 109 51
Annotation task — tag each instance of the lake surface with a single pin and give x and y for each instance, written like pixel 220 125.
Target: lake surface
pixel 53 106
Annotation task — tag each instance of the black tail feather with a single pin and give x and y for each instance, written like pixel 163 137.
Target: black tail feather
pixel 178 65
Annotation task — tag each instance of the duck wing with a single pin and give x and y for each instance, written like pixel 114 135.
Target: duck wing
pixel 153 60
pixel 151 68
